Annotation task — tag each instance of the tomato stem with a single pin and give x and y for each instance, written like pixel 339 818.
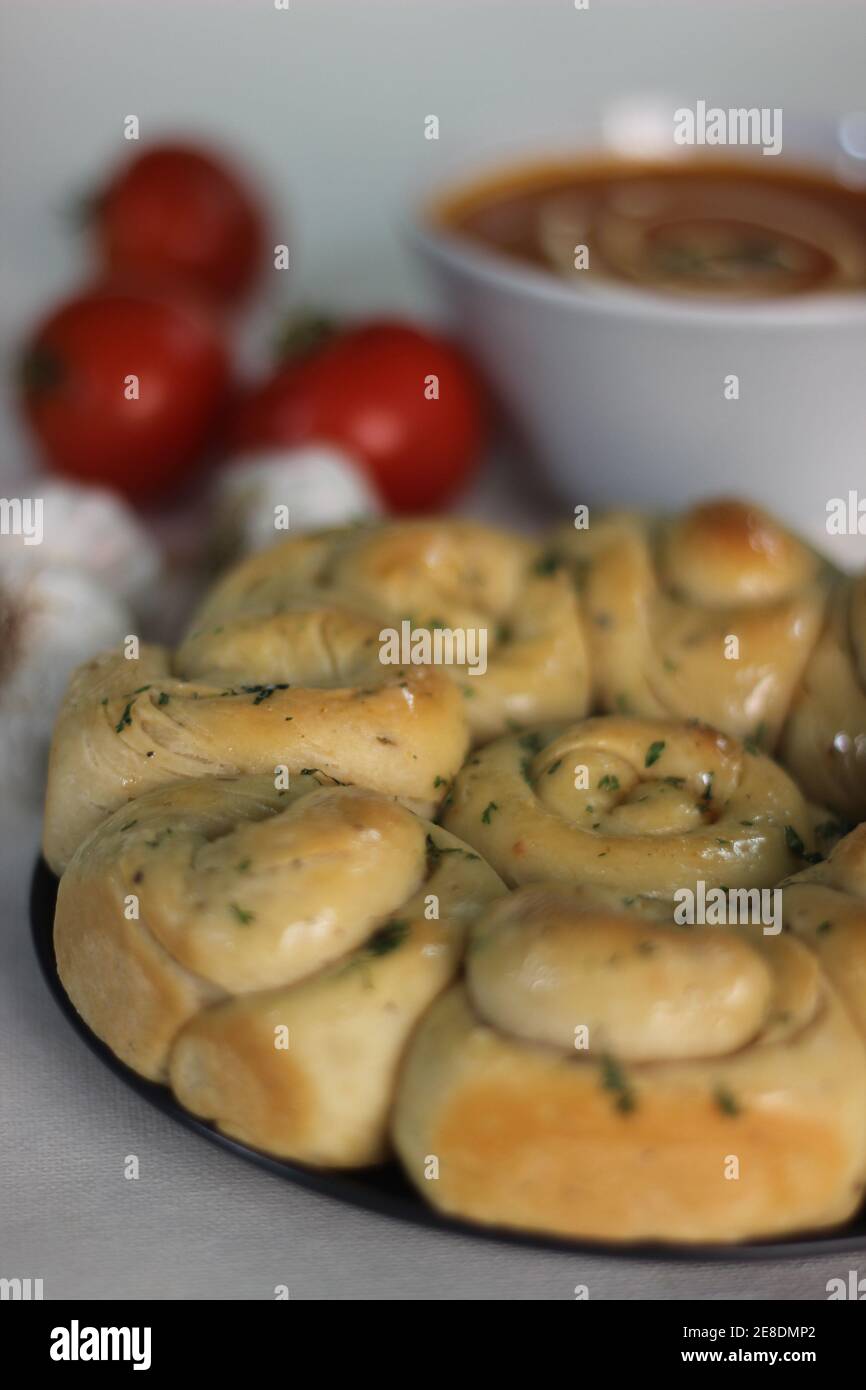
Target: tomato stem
pixel 304 334
pixel 40 370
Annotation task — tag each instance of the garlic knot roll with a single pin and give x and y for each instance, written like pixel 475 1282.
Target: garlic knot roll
pixel 644 805
pixel 127 727
pixel 268 952
pixel 824 739
pixel 480 605
pixel 709 615
pixel 825 906
pixel 605 1074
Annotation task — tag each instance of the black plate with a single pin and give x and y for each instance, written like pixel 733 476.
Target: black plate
pixel 384 1189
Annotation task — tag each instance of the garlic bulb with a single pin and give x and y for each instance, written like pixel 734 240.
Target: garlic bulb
pixel 88 529
pixel 262 497
pixel 50 620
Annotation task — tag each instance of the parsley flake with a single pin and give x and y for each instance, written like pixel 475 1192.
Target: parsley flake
pixel 387 938
pixel 654 752
pixel 726 1102
pixel 125 719
pixel 613 1079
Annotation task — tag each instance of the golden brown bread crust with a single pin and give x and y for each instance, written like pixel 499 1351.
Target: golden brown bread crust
pixel 661 805
pixel 127 727
pixel 753 1126
pixel 311 611
pixel 200 929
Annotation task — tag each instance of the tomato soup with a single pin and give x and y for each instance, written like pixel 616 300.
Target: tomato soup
pixel 715 227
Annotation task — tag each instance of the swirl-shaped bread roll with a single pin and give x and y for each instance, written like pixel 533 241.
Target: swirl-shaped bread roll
pixel 824 740
pixel 127 727
pixel 721 614
pixel 606 1074
pixel 268 952
pixel 647 806
pixel 312 611
pixel 825 906
pixel 663 598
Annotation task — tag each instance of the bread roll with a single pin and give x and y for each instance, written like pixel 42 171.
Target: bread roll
pixel 825 906
pixel 605 1074
pixel 721 614
pixel 268 952
pixel 312 611
pixel 824 739
pixel 127 727
pixel 663 597
pixel 643 805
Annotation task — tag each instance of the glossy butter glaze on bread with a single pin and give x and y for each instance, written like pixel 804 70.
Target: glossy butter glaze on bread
pixel 645 805
pixel 312 609
pixel 723 615
pixel 662 598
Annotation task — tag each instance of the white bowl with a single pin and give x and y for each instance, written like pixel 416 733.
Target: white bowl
pixel 620 393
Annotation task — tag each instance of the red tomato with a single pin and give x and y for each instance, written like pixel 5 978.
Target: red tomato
pixel 370 391
pixel 177 213
pixel 79 396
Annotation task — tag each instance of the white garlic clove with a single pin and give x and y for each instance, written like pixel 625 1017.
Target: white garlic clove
pixel 259 498
pixel 50 621
pixel 84 528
